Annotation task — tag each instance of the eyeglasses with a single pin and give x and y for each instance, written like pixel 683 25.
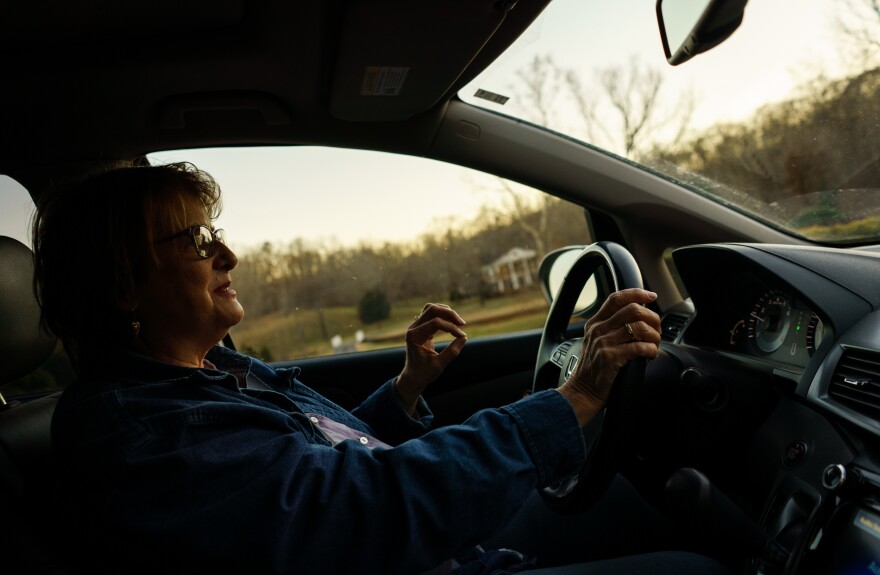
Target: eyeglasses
pixel 204 239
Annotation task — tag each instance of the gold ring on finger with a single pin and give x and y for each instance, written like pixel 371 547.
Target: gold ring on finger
pixel 629 330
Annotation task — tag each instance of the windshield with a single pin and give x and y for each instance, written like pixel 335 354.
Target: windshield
pixel 780 121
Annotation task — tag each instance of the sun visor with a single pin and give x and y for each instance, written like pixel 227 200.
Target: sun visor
pixel 398 58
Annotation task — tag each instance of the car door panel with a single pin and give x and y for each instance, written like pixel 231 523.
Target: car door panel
pixel 490 372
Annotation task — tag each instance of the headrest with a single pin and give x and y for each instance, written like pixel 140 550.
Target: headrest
pixel 23 345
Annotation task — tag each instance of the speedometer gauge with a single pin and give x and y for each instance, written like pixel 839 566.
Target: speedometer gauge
pixel 770 320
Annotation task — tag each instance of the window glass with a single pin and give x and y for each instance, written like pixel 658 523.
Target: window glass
pixel 16 210
pixel 339 249
pixel 778 122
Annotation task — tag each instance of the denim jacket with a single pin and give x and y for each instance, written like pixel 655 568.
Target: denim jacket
pixel 176 469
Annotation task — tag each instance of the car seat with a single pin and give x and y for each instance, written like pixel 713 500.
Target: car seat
pixel 26 464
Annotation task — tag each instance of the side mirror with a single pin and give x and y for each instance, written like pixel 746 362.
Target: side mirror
pixel 690 27
pixel 554 268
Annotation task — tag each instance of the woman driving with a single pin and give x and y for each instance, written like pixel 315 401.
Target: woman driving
pixel 181 455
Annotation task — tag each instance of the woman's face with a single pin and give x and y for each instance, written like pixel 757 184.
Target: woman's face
pixel 188 302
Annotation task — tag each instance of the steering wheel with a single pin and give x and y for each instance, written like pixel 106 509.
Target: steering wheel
pixel 610 436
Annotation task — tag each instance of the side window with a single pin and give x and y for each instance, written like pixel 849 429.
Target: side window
pixel 16 210
pixel 339 249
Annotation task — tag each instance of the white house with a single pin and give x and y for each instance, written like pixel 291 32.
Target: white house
pixel 513 271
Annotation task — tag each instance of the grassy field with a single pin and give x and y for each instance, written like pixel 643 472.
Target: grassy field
pixel 299 335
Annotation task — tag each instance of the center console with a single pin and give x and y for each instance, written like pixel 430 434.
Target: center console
pixel 844 535
pixel 835 532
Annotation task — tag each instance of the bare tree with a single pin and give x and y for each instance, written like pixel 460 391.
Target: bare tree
pixel 537 231
pixel 624 116
pixel 633 95
pixel 520 207
pixel 539 89
pixel 627 114
pixel 859 23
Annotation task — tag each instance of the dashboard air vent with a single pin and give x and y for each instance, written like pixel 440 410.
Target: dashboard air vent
pixel 856 382
pixel 671 325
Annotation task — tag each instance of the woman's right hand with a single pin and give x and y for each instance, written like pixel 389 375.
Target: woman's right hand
pixel 609 345
pixel 423 363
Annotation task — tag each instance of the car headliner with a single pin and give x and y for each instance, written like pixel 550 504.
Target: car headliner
pixel 115 79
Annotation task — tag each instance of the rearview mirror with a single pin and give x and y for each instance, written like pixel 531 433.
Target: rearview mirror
pixel 690 27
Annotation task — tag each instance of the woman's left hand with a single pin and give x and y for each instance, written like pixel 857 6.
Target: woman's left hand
pixel 423 364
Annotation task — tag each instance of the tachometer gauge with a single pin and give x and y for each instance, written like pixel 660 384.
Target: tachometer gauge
pixel 815 330
pixel 769 321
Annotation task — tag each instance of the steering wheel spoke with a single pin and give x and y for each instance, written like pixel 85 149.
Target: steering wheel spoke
pixel 566 356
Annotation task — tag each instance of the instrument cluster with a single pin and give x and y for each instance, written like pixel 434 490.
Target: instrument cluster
pixel 777 326
pixel 759 316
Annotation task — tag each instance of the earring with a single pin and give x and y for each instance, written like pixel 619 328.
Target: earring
pixel 135 325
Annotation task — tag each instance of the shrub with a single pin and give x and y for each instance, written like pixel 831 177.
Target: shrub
pixel 263 353
pixel 374 306
pixel 865 228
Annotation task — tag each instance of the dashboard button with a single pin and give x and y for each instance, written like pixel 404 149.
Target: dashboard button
pixel 794 453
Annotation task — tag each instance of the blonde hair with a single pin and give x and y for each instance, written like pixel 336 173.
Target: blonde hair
pixel 96 239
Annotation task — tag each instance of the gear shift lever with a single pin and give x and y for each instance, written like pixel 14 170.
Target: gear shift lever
pixel 704 509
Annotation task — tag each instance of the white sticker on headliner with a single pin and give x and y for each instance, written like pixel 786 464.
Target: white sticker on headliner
pixel 383 80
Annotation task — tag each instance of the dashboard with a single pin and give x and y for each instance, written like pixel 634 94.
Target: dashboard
pixel 778 355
